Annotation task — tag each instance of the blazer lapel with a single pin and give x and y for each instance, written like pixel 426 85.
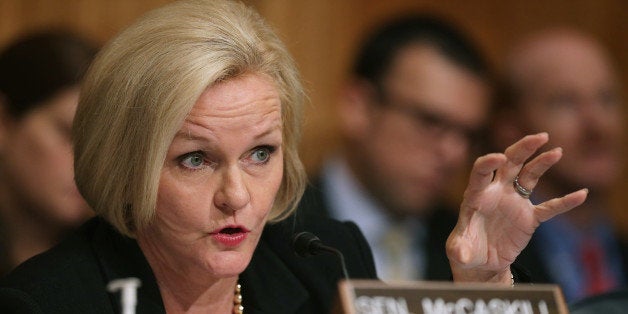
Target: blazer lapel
pixel 268 285
pixel 121 257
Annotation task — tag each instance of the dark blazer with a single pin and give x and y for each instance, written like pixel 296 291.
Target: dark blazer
pixel 613 302
pixel 439 223
pixel 530 258
pixel 72 277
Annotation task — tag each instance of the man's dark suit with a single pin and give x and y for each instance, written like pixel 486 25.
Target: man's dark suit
pixel 439 222
pixel 72 277
pixel 530 258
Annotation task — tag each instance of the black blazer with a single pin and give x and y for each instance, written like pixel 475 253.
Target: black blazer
pixel 439 223
pixel 72 277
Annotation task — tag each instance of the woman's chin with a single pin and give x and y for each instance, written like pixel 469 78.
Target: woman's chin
pixel 228 264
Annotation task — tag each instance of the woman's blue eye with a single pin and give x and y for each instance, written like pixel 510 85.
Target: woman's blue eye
pixel 193 160
pixel 262 154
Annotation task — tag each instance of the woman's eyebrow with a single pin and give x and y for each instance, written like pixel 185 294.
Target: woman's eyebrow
pixel 189 135
pixel 270 130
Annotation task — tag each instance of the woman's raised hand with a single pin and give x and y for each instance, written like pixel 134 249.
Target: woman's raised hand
pixel 496 218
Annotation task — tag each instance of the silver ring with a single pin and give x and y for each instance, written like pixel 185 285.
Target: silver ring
pixel 525 193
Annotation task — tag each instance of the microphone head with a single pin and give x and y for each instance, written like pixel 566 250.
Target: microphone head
pixel 306 244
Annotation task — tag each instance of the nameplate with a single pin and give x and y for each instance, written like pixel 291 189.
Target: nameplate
pixel 377 297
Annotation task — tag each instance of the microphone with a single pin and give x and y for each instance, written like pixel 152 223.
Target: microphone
pixel 306 244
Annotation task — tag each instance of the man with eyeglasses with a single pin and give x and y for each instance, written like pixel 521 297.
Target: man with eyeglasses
pixel 410 118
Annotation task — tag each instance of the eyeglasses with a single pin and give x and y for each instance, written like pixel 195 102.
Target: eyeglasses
pixel 435 124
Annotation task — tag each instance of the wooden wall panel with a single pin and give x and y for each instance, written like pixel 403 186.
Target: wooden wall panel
pixel 322 35
pixel 98 19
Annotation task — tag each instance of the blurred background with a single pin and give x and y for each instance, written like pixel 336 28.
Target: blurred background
pixel 322 36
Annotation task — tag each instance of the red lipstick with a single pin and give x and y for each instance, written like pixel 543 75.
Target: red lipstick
pixel 230 235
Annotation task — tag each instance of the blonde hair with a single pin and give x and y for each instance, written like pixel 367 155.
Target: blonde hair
pixel 144 83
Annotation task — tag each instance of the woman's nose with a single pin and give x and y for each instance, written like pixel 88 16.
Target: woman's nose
pixel 232 193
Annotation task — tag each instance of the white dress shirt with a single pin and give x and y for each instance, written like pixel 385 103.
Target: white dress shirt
pixel 397 245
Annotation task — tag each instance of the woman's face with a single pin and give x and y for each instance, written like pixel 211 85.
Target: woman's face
pixel 218 183
pixel 37 161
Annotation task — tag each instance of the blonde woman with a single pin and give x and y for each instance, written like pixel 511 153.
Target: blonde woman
pixel 185 146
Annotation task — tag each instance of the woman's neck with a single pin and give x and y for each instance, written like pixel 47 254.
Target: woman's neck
pixel 185 290
pixel 214 297
pixel 217 297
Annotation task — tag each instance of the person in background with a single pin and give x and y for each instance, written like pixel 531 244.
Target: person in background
pixel 40 76
pixel 563 82
pixel 410 116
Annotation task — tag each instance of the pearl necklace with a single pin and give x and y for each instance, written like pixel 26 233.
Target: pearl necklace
pixel 237 300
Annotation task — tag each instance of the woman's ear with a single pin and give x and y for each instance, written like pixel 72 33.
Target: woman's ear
pixel 355 109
